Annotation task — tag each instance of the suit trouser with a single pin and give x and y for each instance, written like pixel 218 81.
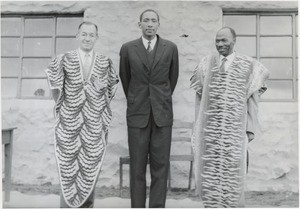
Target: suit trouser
pixel 155 141
pixel 89 203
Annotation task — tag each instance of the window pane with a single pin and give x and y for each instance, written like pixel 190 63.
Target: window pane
pixel 37 46
pixel 10 66
pixel 34 67
pixel 278 90
pixel 10 26
pixel 243 25
pixel 9 87
pixel 280 68
pixel 68 26
pixel 65 44
pixel 246 45
pixel 296 93
pixel 296 68
pixel 297 46
pixel 276 25
pixel 35 87
pixel 34 27
pixel 276 46
pixel 10 46
pixel 297 24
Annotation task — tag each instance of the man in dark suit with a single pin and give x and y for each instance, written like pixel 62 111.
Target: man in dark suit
pixel 149 73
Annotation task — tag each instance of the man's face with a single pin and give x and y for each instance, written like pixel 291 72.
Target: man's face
pixel 224 42
pixel 87 36
pixel 149 25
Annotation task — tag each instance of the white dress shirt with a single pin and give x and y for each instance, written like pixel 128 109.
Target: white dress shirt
pixel 83 53
pixel 153 42
pixel 86 62
pixel 229 60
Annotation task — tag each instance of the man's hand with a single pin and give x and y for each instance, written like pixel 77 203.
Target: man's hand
pixel 99 83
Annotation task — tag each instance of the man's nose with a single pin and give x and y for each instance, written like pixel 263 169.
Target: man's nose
pixel 150 24
pixel 220 43
pixel 87 38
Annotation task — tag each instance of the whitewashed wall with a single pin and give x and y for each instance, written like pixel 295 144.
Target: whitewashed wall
pixel 274 155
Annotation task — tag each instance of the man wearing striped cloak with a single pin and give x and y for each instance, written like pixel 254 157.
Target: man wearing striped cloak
pixel 228 86
pixel 83 84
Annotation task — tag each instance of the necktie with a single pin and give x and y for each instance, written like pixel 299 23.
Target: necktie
pixel 149 49
pixel 222 67
pixel 86 65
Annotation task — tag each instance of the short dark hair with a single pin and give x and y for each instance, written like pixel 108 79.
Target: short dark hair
pixel 149 10
pixel 231 31
pixel 88 23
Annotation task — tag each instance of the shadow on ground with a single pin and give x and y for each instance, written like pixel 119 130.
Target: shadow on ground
pixel 254 199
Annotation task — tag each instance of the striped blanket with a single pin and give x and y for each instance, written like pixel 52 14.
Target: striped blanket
pixel 83 115
pixel 219 137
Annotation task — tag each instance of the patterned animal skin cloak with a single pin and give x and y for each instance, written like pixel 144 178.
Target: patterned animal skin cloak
pixel 219 137
pixel 83 114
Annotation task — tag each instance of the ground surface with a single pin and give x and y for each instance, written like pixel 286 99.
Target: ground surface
pixel 110 197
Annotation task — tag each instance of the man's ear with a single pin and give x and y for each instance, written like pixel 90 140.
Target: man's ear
pixel 139 24
pixel 77 36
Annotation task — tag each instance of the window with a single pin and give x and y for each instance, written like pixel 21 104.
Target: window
pixel 270 37
pixel 28 44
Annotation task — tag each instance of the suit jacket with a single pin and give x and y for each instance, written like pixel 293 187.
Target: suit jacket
pixel 149 88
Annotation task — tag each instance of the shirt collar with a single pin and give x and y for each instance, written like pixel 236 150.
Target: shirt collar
pixel 83 53
pixel 153 42
pixel 229 57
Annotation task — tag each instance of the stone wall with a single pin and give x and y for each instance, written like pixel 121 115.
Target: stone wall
pixel 274 155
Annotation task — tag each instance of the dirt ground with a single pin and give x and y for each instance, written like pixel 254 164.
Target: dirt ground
pixel 253 199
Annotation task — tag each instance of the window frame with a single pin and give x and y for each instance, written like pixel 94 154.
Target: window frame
pixel 54 36
pixel 260 13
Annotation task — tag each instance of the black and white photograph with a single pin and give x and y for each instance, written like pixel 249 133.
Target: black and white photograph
pixel 149 104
